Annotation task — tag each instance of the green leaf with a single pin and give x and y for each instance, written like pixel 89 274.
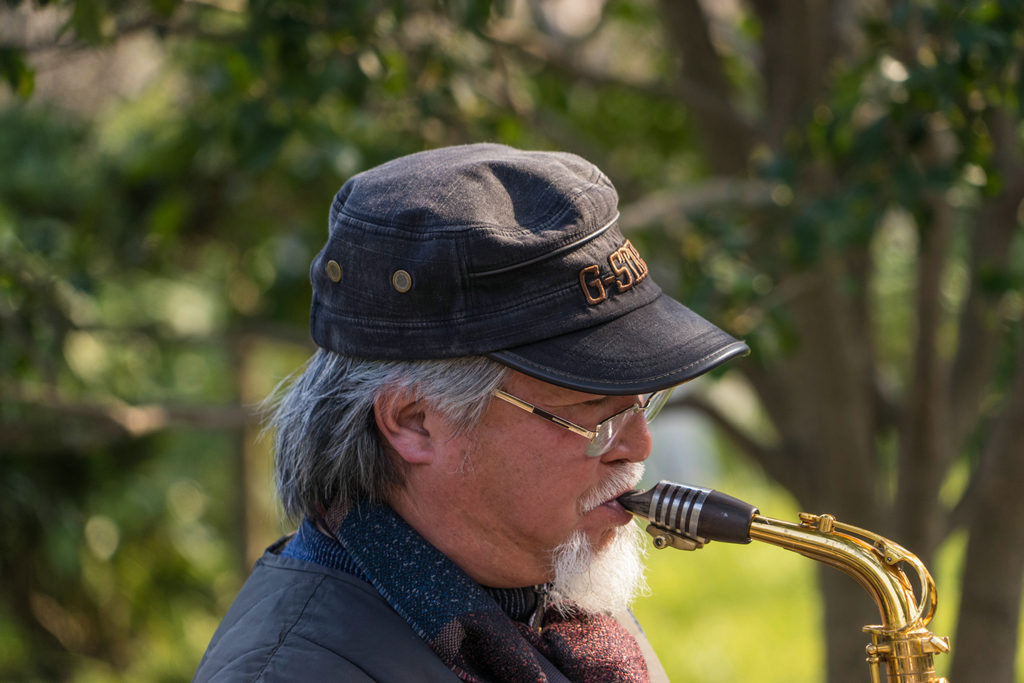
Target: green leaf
pixel 87 19
pixel 17 72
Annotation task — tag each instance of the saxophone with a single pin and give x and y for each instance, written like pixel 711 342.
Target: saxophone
pixel 686 517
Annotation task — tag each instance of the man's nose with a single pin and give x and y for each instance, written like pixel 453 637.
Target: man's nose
pixel 632 443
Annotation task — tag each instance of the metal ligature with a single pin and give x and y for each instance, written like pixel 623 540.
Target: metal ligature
pixel 901 648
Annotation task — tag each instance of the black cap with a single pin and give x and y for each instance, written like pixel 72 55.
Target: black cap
pixel 489 250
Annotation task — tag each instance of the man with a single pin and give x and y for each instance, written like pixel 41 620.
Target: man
pixel 457 443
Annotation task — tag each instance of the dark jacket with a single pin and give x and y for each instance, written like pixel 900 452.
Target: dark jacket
pixel 295 620
pixel 299 621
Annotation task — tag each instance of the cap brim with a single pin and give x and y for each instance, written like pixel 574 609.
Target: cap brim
pixel 654 347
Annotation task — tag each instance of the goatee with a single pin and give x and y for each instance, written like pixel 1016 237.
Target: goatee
pixel 606 579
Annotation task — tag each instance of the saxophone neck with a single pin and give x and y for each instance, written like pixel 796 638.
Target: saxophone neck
pixel 875 562
pixel 901 648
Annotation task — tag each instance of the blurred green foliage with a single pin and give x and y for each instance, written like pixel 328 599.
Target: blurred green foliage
pixel 154 247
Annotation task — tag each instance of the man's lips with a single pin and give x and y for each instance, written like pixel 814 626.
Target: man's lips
pixel 613 504
pixel 614 509
pixel 612 501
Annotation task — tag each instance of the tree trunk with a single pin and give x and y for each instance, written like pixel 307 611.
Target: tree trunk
pixel 847 609
pixel 821 400
pixel 987 630
pixel 925 449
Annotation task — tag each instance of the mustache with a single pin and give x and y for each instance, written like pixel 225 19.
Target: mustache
pixel 623 477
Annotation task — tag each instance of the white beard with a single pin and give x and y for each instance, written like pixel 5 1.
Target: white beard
pixel 605 580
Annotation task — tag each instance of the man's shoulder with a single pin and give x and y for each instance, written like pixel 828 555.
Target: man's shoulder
pixel 294 619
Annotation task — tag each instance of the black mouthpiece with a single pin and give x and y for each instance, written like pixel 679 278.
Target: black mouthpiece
pixel 693 511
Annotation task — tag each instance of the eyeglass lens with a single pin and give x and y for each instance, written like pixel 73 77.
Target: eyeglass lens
pixel 610 428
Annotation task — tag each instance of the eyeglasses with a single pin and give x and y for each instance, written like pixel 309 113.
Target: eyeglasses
pixel 603 436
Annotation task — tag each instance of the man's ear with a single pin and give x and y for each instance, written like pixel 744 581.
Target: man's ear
pixel 402 422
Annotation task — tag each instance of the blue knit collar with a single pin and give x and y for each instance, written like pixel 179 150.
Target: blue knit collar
pixel 311 544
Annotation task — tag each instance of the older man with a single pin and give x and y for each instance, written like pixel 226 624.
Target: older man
pixel 488 341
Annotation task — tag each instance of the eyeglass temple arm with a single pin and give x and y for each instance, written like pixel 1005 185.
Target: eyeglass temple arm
pixel 530 408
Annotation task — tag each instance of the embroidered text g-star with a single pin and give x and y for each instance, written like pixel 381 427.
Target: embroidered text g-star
pixel 628 269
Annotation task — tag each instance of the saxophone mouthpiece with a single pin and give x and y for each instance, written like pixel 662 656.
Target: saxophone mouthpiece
pixel 692 511
pixel 637 502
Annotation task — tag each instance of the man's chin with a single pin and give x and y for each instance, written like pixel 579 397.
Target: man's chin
pixel 602 538
pixel 600 571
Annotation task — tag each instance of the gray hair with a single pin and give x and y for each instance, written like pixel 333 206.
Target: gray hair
pixel 327 447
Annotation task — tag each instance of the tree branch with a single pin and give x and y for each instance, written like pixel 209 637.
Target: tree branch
pixel 692 94
pixel 674 206
pixel 66 41
pixel 43 426
pixel 770 458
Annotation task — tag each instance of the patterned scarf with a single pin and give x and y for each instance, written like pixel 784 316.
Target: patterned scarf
pixel 461 622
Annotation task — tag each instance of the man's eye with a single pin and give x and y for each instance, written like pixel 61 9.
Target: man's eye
pixel 598 402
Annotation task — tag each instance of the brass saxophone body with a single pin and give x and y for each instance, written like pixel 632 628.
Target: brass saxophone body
pixel 901 648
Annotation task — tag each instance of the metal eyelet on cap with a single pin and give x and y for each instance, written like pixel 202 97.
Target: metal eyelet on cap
pixel 401 281
pixel 333 271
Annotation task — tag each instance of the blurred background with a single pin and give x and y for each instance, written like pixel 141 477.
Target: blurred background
pixel 839 183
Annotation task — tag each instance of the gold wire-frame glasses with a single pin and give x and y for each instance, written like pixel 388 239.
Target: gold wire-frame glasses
pixel 603 436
